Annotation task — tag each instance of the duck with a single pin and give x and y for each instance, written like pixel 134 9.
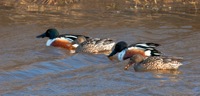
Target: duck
pixel 93 45
pixel 141 63
pixel 125 52
pixel 57 40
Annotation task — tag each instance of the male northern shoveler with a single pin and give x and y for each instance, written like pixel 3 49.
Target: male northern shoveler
pixel 124 51
pixel 154 63
pixel 56 40
pixel 93 45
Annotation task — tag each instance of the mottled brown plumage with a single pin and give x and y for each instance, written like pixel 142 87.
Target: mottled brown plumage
pixel 93 45
pixel 142 63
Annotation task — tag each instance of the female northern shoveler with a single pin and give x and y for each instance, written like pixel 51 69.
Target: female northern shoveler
pixel 93 45
pixel 124 51
pixel 56 40
pixel 153 62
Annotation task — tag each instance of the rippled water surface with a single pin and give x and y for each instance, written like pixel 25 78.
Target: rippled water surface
pixel 28 67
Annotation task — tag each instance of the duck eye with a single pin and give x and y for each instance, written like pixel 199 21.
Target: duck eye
pixel 48 33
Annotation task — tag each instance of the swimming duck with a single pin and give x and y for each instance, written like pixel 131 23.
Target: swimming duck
pixel 125 52
pixel 93 45
pixel 142 63
pixel 56 40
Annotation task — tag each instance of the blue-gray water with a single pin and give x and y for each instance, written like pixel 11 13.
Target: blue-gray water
pixel 29 68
